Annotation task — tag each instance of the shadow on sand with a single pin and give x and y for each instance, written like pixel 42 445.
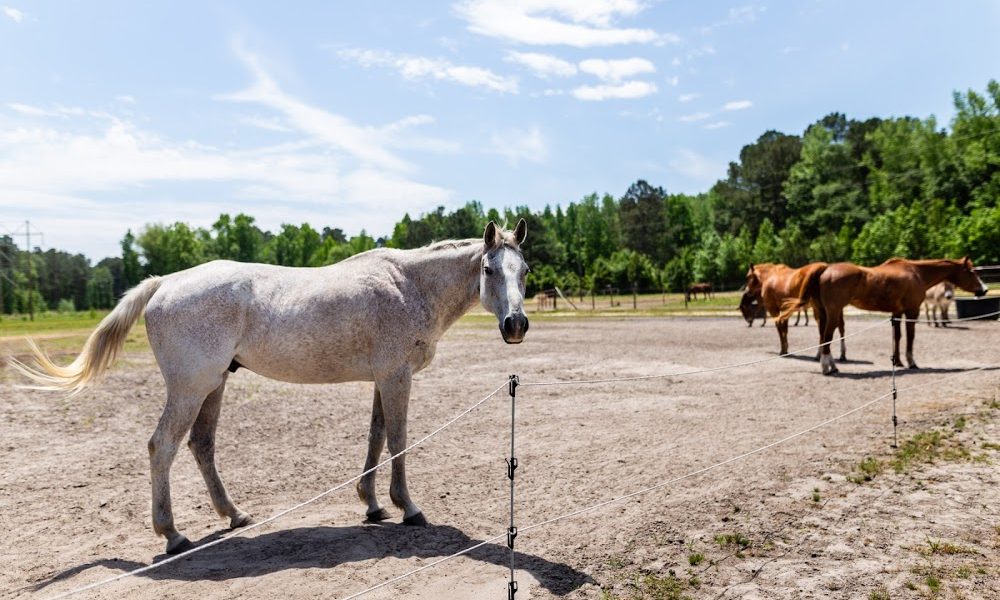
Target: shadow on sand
pixel 903 372
pixel 327 547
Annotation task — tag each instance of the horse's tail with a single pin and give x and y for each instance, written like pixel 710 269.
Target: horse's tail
pixel 808 294
pixel 100 350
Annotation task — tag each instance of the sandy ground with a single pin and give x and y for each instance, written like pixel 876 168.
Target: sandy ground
pixel 785 523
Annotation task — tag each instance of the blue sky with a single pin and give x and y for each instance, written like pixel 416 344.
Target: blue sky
pixel 116 114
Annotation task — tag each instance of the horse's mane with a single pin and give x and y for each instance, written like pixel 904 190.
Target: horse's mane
pixel 450 244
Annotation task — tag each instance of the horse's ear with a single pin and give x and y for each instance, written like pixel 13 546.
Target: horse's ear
pixel 490 237
pixel 520 232
pixel 966 261
pixel 751 268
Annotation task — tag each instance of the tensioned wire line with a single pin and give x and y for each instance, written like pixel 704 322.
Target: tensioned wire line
pixel 645 490
pixel 275 517
pixel 695 371
pixel 985 317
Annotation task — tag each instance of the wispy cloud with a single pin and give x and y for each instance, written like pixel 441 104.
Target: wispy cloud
pixel 125 99
pixel 688 97
pixel 738 15
pixel 696 166
pixel 518 145
pixel 327 169
pixel 558 22
pixel 616 70
pixel 420 67
pixel 542 65
pixel 13 14
pixel 717 125
pixel 691 118
pixel 624 91
pixel 737 105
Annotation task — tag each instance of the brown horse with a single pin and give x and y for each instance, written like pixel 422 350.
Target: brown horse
pixel 897 286
pixel 775 284
pixel 705 289
pixel 752 308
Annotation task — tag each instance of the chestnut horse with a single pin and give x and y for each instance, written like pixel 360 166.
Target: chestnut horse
pixel 705 289
pixel 897 286
pixel 775 284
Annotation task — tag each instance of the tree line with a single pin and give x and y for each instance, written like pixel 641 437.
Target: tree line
pixel 845 189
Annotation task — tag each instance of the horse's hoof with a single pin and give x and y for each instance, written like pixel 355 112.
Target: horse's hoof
pixel 242 519
pixel 843 358
pixel 913 366
pixel 376 516
pixel 417 520
pixel 178 544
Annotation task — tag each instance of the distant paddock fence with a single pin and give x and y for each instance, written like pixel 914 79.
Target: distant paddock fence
pixel 511 385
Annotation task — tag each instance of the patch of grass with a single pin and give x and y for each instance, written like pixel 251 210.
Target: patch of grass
pixel 616 562
pixel 933 584
pixel 964 572
pixel 659 587
pixel 946 548
pixel 696 559
pixel 867 469
pixel 959 423
pixel 991 446
pixel 926 447
pixel 734 540
pixel 879 594
pixel 815 495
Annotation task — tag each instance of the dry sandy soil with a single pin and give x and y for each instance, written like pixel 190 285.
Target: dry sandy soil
pixel 790 522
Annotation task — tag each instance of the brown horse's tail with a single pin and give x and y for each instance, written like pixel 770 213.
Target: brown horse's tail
pixel 98 353
pixel 808 294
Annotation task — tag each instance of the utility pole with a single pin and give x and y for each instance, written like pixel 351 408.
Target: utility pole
pixel 30 267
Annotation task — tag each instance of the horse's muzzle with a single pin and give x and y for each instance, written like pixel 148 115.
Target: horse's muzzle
pixel 982 291
pixel 514 327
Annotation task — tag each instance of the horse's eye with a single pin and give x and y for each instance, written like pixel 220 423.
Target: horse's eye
pixel 487 270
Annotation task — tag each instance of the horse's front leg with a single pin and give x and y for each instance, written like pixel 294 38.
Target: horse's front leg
pixel 911 330
pixel 782 326
pixel 376 441
pixel 896 335
pixel 395 391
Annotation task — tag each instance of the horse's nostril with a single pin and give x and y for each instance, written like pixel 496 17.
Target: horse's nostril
pixel 507 322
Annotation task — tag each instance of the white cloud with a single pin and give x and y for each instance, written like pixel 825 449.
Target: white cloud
pixel 616 70
pixel 674 81
pixel 518 144
pixel 688 97
pixel 626 90
pixel 717 125
pixel 77 168
pixel 125 99
pixel 568 22
pixel 737 105
pixel 543 65
pixel 738 15
pixel 419 67
pixel 696 166
pixel 13 14
pixel 698 116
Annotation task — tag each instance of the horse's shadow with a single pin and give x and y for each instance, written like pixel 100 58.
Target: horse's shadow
pixel 812 358
pixel 902 372
pixel 326 547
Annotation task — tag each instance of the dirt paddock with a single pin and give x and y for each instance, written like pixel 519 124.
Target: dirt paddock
pixel 790 522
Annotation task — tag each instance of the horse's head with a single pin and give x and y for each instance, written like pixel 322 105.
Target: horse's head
pixel 501 283
pixel 965 277
pixel 753 281
pixel 747 306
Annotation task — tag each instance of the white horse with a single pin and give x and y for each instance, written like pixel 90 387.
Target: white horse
pixel 376 316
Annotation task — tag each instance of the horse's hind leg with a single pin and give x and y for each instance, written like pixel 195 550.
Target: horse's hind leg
pixel 395 391
pixel 202 445
pixel 896 335
pixel 178 416
pixel 376 441
pixel 843 342
pixel 911 330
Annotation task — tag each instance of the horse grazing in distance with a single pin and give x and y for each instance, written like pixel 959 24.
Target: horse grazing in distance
pixel 938 298
pixel 376 316
pixel 897 286
pixel 775 284
pixel 705 289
